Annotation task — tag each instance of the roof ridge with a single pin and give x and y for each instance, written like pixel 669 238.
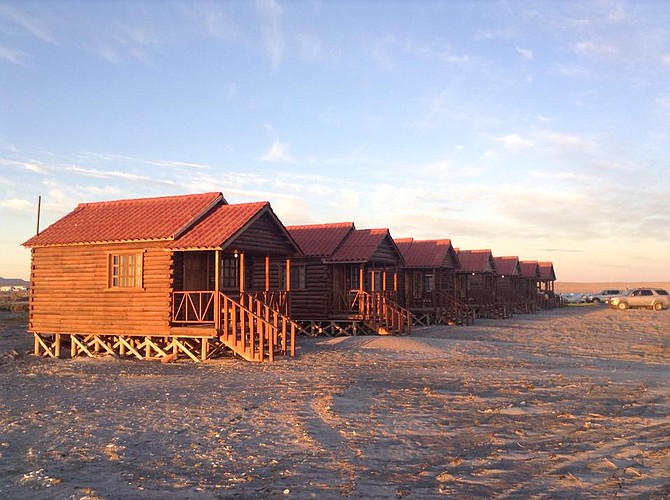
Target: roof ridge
pixel 321 226
pixel 150 198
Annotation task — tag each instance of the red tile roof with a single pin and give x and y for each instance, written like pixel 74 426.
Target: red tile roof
pixel 219 225
pixel 142 219
pixel 547 271
pixel 476 261
pixel 507 266
pixel 425 253
pixel 529 269
pixel 361 244
pixel 320 240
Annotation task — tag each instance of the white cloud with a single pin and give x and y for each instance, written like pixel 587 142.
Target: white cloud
pixel 574 71
pixel 13 56
pixel 563 140
pixel 665 59
pixel 449 57
pixel 279 152
pixel 593 48
pixel 272 14
pixel 617 13
pixel 514 142
pixel 17 205
pixel 37 27
pixel 31 166
pixel 526 53
pixel 217 21
pixel 311 46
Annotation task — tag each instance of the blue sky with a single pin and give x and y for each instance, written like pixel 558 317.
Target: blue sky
pixel 537 129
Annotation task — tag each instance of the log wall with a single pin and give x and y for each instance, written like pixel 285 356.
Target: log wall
pixel 263 236
pixel 315 302
pixel 69 292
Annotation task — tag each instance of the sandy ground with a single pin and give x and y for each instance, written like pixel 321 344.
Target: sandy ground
pixel 562 404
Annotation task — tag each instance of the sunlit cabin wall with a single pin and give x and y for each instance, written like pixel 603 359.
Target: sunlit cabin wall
pixel 315 301
pixel 70 293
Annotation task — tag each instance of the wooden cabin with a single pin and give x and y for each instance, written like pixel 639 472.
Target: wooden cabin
pixel 347 281
pixel 549 298
pixel 528 284
pixel 188 276
pixel 476 283
pixel 427 283
pixel 508 285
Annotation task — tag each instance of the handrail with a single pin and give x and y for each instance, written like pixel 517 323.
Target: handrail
pixel 460 311
pixel 253 326
pixel 249 326
pixel 380 311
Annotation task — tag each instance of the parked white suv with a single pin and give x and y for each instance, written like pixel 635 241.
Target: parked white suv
pixel 655 298
pixel 603 296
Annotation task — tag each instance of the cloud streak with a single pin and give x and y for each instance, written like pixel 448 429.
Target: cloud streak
pixel 271 14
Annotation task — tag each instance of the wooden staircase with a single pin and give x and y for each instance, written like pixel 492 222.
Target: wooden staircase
pixel 451 310
pixel 380 313
pixel 254 330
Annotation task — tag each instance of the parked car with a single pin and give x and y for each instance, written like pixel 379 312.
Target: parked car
pixel 603 295
pixel 655 298
pixel 573 298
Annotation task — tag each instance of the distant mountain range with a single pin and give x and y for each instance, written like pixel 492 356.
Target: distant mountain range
pixel 13 282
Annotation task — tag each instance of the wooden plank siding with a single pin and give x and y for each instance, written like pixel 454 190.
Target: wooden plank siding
pixel 70 292
pixel 262 237
pixel 316 299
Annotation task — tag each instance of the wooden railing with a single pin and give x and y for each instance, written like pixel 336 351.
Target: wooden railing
pixel 378 311
pixel 254 330
pixel 250 327
pixel 486 304
pixel 453 309
pixel 192 308
pixel 276 299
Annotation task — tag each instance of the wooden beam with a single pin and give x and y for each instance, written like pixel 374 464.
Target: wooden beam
pixel 178 345
pixel 82 346
pixel 241 267
pixel 288 274
pixel 267 272
pixel 217 288
pixel 124 344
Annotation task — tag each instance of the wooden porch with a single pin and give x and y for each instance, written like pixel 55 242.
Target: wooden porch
pixel 440 307
pixel 251 325
pixel 246 326
pixel 357 312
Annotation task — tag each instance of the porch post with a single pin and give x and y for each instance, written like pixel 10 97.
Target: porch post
pixel 267 273
pixel 288 274
pixel 217 288
pixel 241 272
pixel 384 279
pixel 361 276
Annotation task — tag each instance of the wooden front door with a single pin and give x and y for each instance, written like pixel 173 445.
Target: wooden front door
pixel 197 271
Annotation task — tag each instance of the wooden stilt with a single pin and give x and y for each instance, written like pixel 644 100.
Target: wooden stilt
pixel 80 346
pixel 204 349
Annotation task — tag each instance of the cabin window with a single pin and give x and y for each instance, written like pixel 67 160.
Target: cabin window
pixel 297 277
pixel 428 282
pixel 125 270
pixel 231 273
pixel 352 278
pixel 377 280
